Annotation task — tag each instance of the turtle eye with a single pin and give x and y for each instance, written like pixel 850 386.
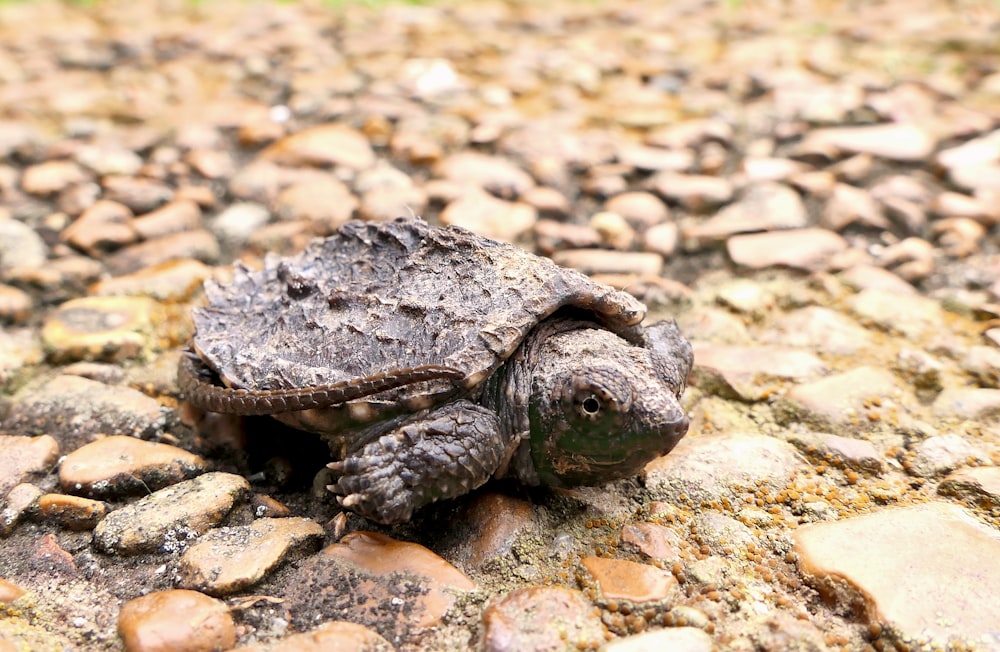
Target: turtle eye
pixel 590 406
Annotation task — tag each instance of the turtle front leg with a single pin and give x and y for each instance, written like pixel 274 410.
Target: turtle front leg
pixel 445 453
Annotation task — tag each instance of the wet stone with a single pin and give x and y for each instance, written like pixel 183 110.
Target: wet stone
pixel 967 403
pixel 23 457
pixel 15 305
pixel 978 485
pixel 654 541
pixel 486 215
pixel 805 249
pixel 328 145
pixel 99 328
pixel 890 561
pixel 604 261
pixel 705 468
pixel 844 401
pixel 541 618
pixel 751 373
pixel 336 636
pixel 20 502
pixel 173 280
pixel 940 454
pixel 121 466
pixel 675 639
pixel 620 579
pixel 167 519
pixel 231 559
pixel 163 622
pixel 71 512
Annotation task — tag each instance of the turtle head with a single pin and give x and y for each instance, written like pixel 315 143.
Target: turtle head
pixel 601 408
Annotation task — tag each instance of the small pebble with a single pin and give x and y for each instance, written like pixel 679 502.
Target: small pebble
pixel 163 622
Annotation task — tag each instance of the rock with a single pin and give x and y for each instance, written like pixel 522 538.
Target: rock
pixel 691 133
pixel 978 485
pixel 804 249
pixel 844 401
pixel 238 222
pixel 912 258
pixel 104 226
pixel 697 193
pixel 174 280
pixel 656 542
pixel 334 636
pixel 9 592
pixel 547 201
pixel 751 373
pixel 15 305
pixel 139 194
pixel 163 622
pixel 20 246
pixel 71 512
pixel 818 328
pixel 983 363
pixel 211 163
pixel 641 209
pixel 20 502
pixel 896 142
pixel 177 216
pixel 22 457
pixel 603 261
pixel 120 466
pixel 52 177
pixel 541 618
pixel 965 403
pixel 491 217
pixel 326 202
pixel 105 160
pixel 851 206
pixel 842 452
pixel 200 245
pixel 675 639
pixel 869 277
pixel 328 145
pixel 100 328
pixel 231 559
pixel 889 561
pixel 764 206
pixel 940 454
pixel 614 230
pixel 497 520
pixel 620 579
pixel 496 175
pixel 909 315
pixel 655 159
pixel 166 520
pixel 552 236
pixel 707 467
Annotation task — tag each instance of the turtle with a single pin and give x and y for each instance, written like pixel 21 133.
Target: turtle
pixel 432 359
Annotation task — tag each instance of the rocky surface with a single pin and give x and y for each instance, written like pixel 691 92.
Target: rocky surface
pixel 814 193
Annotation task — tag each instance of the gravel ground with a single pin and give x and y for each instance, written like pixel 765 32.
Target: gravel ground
pixel 812 189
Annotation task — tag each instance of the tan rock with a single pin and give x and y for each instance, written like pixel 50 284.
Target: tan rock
pixel 657 542
pixel 198 244
pixel 605 261
pixel 325 145
pixel 171 621
pixel 541 618
pixel 336 636
pixel 20 457
pixel 118 465
pixel 175 217
pixel 979 484
pixel 20 501
pixel 497 520
pixel 9 592
pixel 805 249
pixel 15 305
pixel 846 400
pixel 72 512
pixel 105 226
pixel 888 563
pixel 230 559
pixel 100 328
pixel 52 177
pixel 893 141
pixel 675 639
pixel 751 373
pixel 174 280
pixel 486 215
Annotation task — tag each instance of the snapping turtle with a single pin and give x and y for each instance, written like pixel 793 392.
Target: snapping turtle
pixel 431 359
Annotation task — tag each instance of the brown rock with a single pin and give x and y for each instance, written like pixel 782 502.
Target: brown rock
pixel 486 215
pixel 641 209
pixel 199 244
pixel 911 315
pixel 336 636
pixel 9 592
pixel 326 145
pixel 889 561
pixel 175 217
pixel 176 621
pixel 15 305
pixel 211 163
pixel 657 542
pixel 497 520
pixel 552 236
pixel 327 202
pixel 543 619
pixel 230 559
pixel 168 518
pixel 675 639
pixel 20 501
pixel 690 133
pixel 99 328
pixel 764 206
pixel 103 227
pixel 20 457
pixel 547 200
pixel 869 277
pixel 141 195
pixel 697 193
pixel 805 249
pixel 72 512
pixel 852 206
pixel 655 159
pixel 174 280
pixel 496 175
pixel 604 261
pixel 119 466
pixel 847 452
pixel 52 177
pixel 818 328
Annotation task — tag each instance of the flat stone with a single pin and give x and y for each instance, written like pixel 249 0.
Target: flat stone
pixel 167 519
pixel 177 216
pixel 978 484
pixel 847 400
pixel 763 206
pixel 852 206
pixel 99 328
pixel 211 163
pixel 496 520
pixel 121 466
pixel 238 221
pixel 174 280
pixel 707 467
pixel 74 409
pixel 804 249
pixel 547 200
pixel 494 174
pixel 22 457
pixel 486 215
pixel 940 454
pixel 326 202
pixel 912 316
pixel 979 404
pixel 140 194
pixel 655 159
pixel 165 621
pixel 751 373
pixel 328 145
pixel 51 177
pixel 870 277
pixel 690 133
pixel 541 618
pixel 198 244
pixel 890 561
pixel 71 512
pixel 334 636
pixel 984 176
pixel 695 192
pixel 675 639
pixel 604 261
pixel 654 541
pixel 104 226
pixel 620 579
pixel 20 502
pixel 893 141
pixel 818 328
pixel 858 454
pixel 766 168
pixel 105 160
pixel 231 559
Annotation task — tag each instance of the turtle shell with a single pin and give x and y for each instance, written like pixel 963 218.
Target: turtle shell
pixel 376 298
